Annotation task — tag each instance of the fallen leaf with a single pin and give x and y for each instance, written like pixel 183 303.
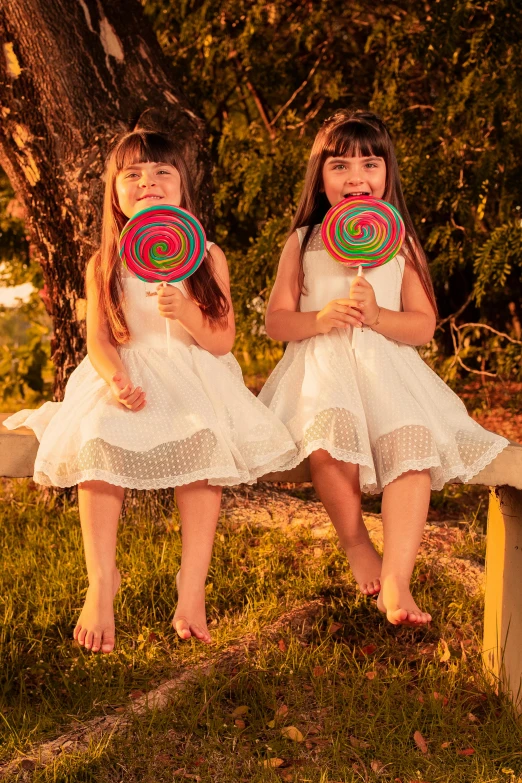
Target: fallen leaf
pixel 135 694
pixel 239 723
pixel 318 552
pixel 472 718
pixel 420 742
pixel 318 671
pixel 445 651
pixel 369 649
pixel 164 758
pixel 282 645
pixel 371 675
pixel 153 637
pixel 420 698
pixel 271 724
pixel 439 697
pixel 334 627
pixel 377 767
pixel 291 733
pixel 357 743
pixel 466 752
pixel 445 745
pixel 282 710
pixel 119 709
pixel 273 762
pixel 240 711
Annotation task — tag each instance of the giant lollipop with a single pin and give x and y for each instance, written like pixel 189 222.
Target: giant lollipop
pixel 363 232
pixel 163 244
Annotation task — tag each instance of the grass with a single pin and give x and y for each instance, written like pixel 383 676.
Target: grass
pixel 356 689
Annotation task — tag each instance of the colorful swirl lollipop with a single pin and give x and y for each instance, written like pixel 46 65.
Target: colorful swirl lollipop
pixel 163 244
pixel 363 231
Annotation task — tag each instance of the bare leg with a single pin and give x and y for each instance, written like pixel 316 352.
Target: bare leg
pixel 337 484
pixel 100 506
pixel 198 505
pixel 405 505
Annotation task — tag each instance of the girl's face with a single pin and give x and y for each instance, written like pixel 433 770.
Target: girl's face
pixel 147 184
pixel 359 176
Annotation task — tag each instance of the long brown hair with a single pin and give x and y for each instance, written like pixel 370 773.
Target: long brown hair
pixel 347 134
pixel 143 146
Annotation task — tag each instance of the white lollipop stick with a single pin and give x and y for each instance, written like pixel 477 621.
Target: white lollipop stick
pixel 360 271
pixel 168 335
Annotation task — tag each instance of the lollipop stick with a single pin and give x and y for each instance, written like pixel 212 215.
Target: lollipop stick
pixel 167 324
pixel 360 271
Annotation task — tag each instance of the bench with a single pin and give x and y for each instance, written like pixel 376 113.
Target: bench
pixel 502 643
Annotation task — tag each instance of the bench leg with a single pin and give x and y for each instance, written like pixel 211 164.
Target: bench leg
pixel 502 650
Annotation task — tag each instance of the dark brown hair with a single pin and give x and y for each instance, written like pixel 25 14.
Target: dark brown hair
pixel 143 146
pixel 349 134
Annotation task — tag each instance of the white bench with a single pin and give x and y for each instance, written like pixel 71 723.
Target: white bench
pixel 502 647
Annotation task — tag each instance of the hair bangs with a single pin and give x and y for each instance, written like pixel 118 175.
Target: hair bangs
pixel 144 147
pixel 355 139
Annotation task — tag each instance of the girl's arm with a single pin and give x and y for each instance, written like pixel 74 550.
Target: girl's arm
pixel 284 322
pixel 102 352
pixel 414 325
pixel 173 304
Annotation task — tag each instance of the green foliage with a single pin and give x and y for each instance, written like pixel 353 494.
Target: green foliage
pixel 447 78
pixel 15 267
pixel 25 365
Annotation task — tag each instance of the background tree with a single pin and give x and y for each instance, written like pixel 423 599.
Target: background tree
pixel 73 76
pixel 446 75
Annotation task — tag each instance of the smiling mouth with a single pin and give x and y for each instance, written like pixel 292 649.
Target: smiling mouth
pixel 357 193
pixel 150 195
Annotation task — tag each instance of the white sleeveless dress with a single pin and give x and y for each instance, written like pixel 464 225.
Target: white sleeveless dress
pixel 367 399
pixel 200 420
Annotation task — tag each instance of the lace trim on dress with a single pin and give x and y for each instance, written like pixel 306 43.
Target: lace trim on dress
pixel 167 465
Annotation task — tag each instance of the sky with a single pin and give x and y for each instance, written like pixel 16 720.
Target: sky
pixel 8 296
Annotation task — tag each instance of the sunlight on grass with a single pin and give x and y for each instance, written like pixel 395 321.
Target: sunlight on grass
pixel 357 689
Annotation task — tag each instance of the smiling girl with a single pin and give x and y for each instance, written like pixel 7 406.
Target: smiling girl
pixel 351 388
pixel 139 417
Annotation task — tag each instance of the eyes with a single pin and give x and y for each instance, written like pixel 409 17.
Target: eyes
pixel 134 174
pixel 342 166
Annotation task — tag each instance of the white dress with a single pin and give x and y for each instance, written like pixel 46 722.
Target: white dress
pixel 200 421
pixel 367 399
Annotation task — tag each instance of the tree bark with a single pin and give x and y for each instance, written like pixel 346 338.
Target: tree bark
pixel 74 75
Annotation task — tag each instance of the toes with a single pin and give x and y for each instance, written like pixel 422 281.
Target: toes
pixel 108 643
pixel 96 639
pixel 182 628
pixel 203 636
pixel 80 638
pixel 88 640
pixel 77 631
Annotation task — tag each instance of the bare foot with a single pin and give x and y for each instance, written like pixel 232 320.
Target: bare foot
pixel 190 618
pixel 95 627
pixel 396 601
pixel 365 564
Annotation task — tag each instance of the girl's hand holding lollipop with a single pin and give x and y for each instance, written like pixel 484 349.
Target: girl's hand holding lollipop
pixel 338 314
pixel 172 303
pixel 363 297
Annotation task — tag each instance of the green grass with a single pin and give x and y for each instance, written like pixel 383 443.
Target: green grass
pixel 357 695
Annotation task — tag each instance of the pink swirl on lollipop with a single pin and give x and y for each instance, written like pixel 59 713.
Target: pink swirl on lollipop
pixel 163 244
pixel 363 231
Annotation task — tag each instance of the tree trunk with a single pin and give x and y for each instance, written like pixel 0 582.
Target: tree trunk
pixel 74 76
